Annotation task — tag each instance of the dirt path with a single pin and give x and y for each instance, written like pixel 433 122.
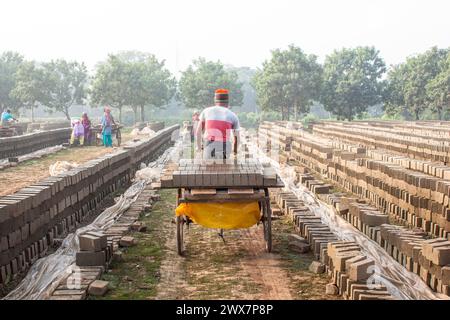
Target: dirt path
pixel 240 268
pixel 264 267
pixel 172 283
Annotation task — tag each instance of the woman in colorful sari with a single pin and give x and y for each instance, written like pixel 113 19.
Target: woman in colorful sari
pixel 87 128
pixel 107 122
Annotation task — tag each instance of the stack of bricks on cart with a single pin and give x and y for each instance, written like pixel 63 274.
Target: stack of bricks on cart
pixel 412 192
pixel 75 286
pixel 346 264
pixel 212 174
pixel 20 145
pixel 32 217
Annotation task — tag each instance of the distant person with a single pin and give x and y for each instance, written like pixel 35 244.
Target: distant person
pixel 7 118
pixel 86 122
pixel 195 122
pixel 77 133
pixel 218 126
pixel 107 123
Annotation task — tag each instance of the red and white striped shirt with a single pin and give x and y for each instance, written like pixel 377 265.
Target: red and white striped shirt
pixel 218 122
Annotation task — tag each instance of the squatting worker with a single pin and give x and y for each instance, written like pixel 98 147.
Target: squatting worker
pixel 218 128
pixel 7 118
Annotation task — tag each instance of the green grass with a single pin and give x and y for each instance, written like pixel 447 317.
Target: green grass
pixel 137 276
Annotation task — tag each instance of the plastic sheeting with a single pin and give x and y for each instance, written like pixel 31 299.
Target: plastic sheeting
pixel 46 273
pixel 61 166
pixel 146 131
pixel 229 215
pixel 401 283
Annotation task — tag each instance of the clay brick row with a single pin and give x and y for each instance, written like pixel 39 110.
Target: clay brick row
pixel 413 197
pixel 33 216
pixel 344 261
pixel 19 145
pixel 428 258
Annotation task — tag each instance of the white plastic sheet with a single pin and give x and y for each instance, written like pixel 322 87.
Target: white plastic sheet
pixel 401 283
pixel 45 274
pixel 61 166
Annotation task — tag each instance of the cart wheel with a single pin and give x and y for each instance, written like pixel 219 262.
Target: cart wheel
pixel 180 230
pixel 180 235
pixel 119 137
pixel 267 223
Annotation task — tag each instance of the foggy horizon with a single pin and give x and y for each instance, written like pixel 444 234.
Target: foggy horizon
pixel 180 31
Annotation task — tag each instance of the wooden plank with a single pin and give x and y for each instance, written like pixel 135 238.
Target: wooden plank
pixel 203 191
pixel 241 191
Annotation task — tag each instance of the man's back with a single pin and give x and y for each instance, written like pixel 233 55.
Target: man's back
pixel 218 122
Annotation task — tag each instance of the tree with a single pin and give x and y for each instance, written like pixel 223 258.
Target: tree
pixel 421 70
pixel 352 81
pixel 9 64
pixel 134 79
pixel 438 89
pixel 393 95
pixel 289 81
pixel 110 84
pixel 30 88
pixel 411 85
pixel 199 81
pixel 153 85
pixel 65 83
pixel 245 76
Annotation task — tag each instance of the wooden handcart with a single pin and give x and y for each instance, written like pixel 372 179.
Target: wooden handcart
pixel 97 134
pixel 221 196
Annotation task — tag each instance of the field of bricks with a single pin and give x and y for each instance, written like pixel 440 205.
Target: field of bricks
pixel 389 180
pixel 35 217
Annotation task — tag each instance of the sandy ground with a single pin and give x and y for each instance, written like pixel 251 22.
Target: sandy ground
pixel 28 172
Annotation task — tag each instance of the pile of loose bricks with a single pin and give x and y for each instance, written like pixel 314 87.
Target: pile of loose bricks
pixel 33 217
pixel 198 173
pixel 97 249
pixel 413 192
pixel 344 261
pixel 27 143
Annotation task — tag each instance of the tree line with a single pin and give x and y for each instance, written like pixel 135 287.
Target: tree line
pixel 351 80
pixel 348 82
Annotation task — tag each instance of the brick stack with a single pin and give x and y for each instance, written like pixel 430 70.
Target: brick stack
pixel 94 250
pixel 350 270
pixel 54 125
pixel 419 143
pixel 345 263
pixel 428 258
pixel 411 197
pixel 77 282
pixel 190 173
pixel 404 245
pixel 156 125
pixel 32 217
pixel 20 145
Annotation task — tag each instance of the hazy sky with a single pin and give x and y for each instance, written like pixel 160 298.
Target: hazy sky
pixel 238 32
